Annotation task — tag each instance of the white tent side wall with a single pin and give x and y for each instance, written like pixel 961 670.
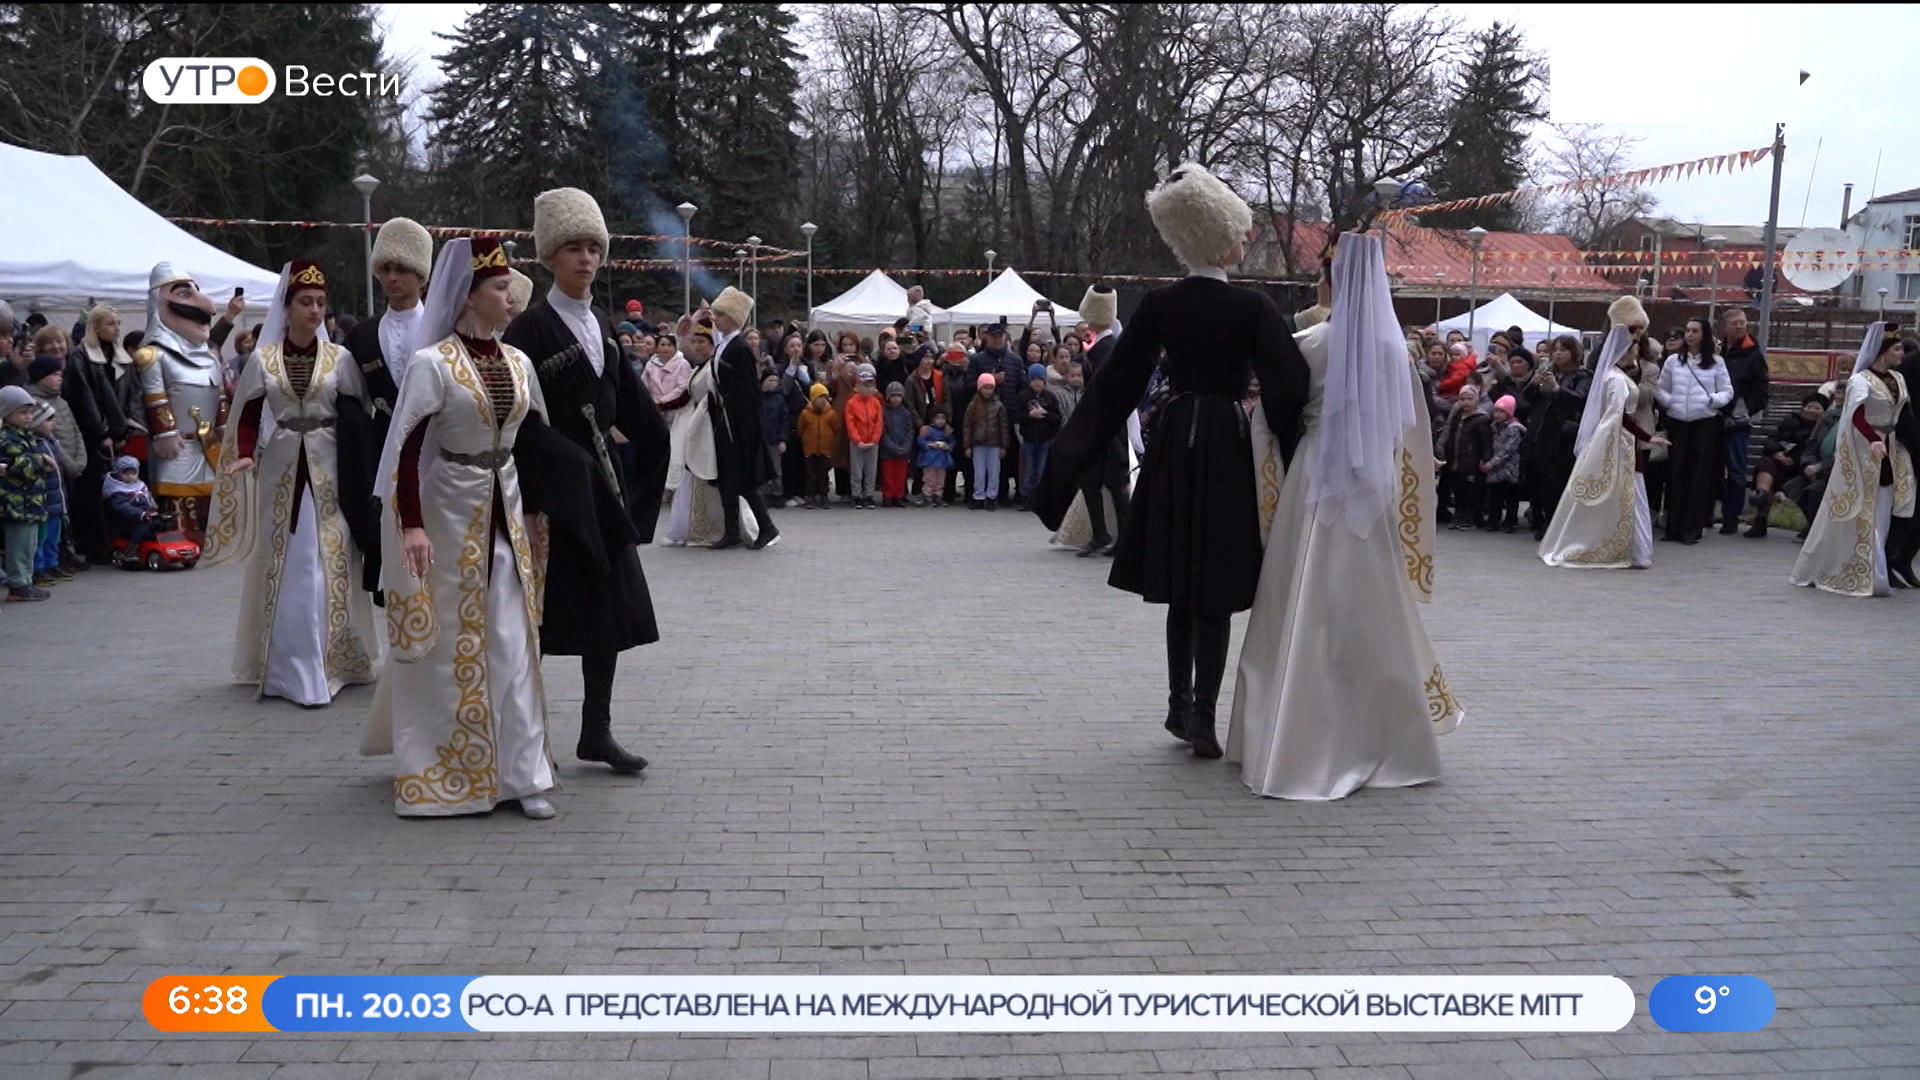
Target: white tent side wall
pixel 77 237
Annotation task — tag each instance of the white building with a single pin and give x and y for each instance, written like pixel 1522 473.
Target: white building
pixel 1889 223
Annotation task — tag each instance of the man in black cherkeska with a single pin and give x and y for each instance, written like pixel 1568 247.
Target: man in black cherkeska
pixel 740 450
pixel 1192 537
pixel 597 603
pixel 1113 469
pixel 402 260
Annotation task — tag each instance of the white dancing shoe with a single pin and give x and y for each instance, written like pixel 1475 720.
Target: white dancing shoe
pixel 537 807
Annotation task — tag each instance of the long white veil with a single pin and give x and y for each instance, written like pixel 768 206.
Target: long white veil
pixel 1870 348
pixel 1617 343
pixel 452 276
pixel 1367 405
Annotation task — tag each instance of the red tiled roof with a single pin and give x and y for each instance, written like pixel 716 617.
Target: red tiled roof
pixel 1507 260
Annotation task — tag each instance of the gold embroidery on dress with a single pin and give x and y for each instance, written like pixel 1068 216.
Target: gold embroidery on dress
pixel 1419 564
pixel 464 771
pixel 1440 700
pixel 1270 479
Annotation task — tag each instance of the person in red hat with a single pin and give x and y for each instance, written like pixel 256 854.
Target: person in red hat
pixel 461 706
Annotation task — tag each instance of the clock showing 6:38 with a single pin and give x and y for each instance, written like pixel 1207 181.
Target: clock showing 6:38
pixel 201 1003
pixel 210 1000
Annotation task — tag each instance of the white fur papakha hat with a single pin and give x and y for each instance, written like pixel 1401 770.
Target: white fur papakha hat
pixel 564 215
pixel 519 290
pixel 735 305
pixel 1198 215
pixel 1626 311
pixel 1101 306
pixel 404 242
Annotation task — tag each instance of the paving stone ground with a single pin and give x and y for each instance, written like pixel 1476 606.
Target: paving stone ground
pixel 924 742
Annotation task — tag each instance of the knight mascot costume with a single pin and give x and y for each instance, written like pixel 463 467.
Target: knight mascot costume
pixel 181 386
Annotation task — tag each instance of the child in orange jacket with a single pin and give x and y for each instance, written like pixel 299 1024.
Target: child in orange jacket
pixel 866 423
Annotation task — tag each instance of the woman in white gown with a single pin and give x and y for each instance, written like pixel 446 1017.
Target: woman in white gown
pixel 306 624
pixel 1602 521
pixel 1872 480
pixel 461 706
pixel 1338 687
pixel 694 469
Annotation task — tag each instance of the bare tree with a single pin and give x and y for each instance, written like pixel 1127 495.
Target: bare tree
pixel 1592 215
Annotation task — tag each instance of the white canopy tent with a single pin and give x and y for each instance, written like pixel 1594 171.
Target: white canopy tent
pixel 75 236
pixel 1006 297
pixel 876 302
pixel 1501 312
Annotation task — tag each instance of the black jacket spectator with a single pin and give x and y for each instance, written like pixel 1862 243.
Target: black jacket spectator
pixel 1038 429
pixel 1747 367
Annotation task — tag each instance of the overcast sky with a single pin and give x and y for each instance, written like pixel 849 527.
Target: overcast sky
pixel 1704 62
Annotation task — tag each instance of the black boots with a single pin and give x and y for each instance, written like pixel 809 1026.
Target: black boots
pixel 597 743
pixel 1196 663
pixel 1179 708
pixel 1200 727
pixel 1210 636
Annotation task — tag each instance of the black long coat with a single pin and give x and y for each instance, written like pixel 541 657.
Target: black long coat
pixel 597 599
pixel 1113 466
pixel 1192 537
pixel 738 440
pixel 363 437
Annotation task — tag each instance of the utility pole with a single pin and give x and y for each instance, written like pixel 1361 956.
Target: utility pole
pixel 1771 240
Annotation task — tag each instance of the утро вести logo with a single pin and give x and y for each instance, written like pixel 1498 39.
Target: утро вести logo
pixel 209 80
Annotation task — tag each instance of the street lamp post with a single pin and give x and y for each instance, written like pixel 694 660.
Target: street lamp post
pixel 1479 236
pixel 990 256
pixel 365 184
pixel 1438 277
pixel 1553 293
pixel 1883 303
pixel 740 265
pixel 1714 244
pixel 807 230
pixel 753 254
pixel 686 210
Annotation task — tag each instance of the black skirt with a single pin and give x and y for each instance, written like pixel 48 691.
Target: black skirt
pixel 1192 536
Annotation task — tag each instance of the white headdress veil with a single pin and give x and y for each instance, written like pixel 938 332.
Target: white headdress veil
pixel 452 280
pixel 1870 348
pixel 274 330
pixel 1617 343
pixel 452 277
pixel 1367 405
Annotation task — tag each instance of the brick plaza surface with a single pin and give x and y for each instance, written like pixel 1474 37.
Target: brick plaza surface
pixel 909 742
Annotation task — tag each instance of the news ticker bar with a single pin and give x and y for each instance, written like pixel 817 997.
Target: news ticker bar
pixel 878 1004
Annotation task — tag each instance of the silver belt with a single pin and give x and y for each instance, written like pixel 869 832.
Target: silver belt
pixel 485 459
pixel 304 424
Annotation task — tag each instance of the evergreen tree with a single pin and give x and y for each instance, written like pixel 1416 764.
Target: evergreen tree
pixel 1496 99
pixel 754 151
pixel 515 105
pixel 671 64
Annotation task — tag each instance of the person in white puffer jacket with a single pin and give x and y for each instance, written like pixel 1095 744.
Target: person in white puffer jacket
pixel 1693 388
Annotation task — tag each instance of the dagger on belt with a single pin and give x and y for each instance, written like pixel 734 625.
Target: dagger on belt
pixel 557 366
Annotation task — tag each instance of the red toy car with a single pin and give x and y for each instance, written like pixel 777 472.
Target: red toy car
pixel 164 549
